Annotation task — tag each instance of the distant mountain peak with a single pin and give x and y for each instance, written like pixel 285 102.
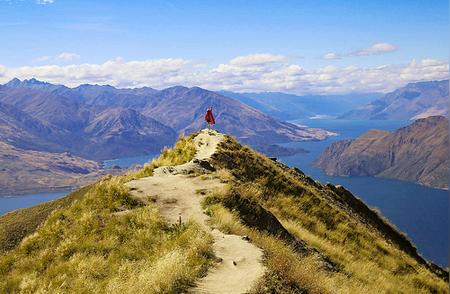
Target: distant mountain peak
pixel 175 88
pixel 32 83
pixel 13 83
pixel 415 100
pixel 96 86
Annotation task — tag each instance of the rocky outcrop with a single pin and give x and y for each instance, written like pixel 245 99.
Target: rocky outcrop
pixel 417 153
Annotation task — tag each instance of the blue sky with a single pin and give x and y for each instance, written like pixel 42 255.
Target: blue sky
pixel 207 34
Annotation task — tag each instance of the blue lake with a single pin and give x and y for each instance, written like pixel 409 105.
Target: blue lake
pixel 8 203
pixel 421 212
pixel 129 161
pixel 12 202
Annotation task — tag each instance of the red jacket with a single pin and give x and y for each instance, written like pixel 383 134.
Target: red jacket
pixel 209 117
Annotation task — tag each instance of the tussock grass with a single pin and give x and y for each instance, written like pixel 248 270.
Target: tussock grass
pixel 183 151
pixel 366 258
pixel 287 272
pixel 224 175
pixel 89 247
pixel 17 224
pixel 108 242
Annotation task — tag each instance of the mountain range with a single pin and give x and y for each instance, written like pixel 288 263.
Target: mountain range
pixel 103 122
pixel 417 153
pixel 413 101
pixel 289 106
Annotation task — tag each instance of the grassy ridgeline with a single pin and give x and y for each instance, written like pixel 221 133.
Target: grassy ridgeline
pixel 104 241
pixel 369 254
pixel 107 242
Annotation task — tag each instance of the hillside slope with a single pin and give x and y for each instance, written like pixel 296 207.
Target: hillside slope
pixel 417 153
pixel 414 101
pixel 24 131
pixel 183 109
pixel 120 236
pixel 25 171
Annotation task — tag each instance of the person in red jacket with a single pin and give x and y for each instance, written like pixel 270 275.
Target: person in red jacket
pixel 209 117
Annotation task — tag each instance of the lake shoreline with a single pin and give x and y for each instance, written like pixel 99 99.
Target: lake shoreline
pixel 30 192
pixel 376 176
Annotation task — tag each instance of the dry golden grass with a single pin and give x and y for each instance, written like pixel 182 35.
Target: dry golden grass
pixel 288 272
pixel 88 247
pixel 183 151
pixel 17 224
pixel 108 242
pixel 367 261
pixel 224 175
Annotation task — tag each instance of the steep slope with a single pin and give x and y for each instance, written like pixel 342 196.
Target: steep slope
pixel 16 225
pixel 415 100
pixel 56 118
pixel 23 171
pixel 119 237
pixel 329 218
pixel 183 109
pixel 418 153
pixel 125 132
pixel 24 131
pixel 68 114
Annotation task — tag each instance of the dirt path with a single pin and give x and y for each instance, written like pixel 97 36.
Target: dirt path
pixel 239 269
pixel 177 195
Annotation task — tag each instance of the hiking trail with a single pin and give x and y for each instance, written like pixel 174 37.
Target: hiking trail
pixel 174 190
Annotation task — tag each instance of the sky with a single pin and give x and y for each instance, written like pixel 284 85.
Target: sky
pixel 301 47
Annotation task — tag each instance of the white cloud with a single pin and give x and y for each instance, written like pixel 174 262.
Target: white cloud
pixel 331 56
pixel 44 2
pixel 68 56
pixel 62 57
pixel 244 73
pixel 257 59
pixel 375 49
